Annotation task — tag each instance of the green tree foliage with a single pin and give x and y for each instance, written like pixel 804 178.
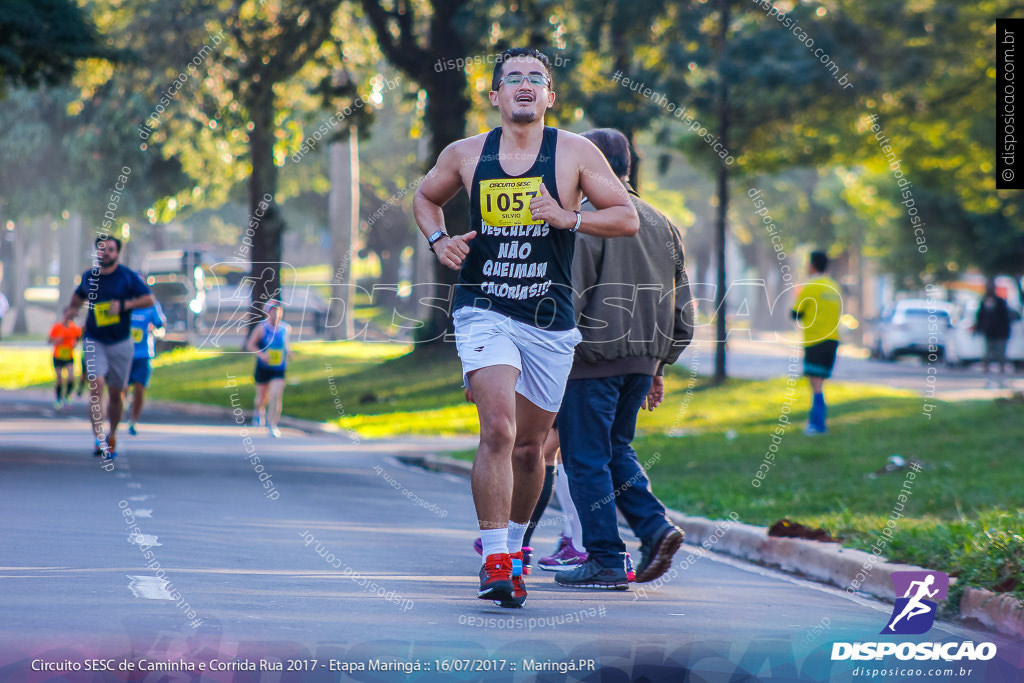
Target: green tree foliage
pixel 41 41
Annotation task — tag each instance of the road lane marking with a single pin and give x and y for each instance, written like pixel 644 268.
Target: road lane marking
pixel 149 587
pixel 144 539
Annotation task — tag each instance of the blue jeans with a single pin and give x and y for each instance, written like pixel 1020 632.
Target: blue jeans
pixel 596 425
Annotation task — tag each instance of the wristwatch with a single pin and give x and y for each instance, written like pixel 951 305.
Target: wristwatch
pixel 435 237
pixel 579 219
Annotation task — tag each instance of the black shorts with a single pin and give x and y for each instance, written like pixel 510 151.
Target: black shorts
pixel 58 363
pixel 264 375
pixel 820 358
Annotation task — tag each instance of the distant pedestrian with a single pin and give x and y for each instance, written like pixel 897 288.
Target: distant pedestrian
pixel 145 323
pixel 634 310
pixel 112 292
pixel 63 336
pixel 819 306
pixel 269 341
pixel 993 321
pixel 5 306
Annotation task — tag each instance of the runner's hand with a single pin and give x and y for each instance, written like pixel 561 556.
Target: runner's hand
pixel 656 395
pixel 543 207
pixel 452 251
pixel 469 395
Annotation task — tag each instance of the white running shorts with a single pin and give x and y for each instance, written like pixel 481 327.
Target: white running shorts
pixel 543 357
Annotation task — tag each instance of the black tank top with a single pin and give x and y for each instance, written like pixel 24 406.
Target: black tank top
pixel 517 266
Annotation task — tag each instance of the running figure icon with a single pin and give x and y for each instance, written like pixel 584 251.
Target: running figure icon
pixel 915 606
pixel 921 591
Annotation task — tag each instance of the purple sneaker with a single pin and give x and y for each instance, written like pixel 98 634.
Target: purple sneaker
pixel 478 546
pixel 566 558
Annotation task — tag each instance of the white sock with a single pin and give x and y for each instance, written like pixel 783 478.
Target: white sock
pixel 516 531
pixel 494 541
pixel 572 520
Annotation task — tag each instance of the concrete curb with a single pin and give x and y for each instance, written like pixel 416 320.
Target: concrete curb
pixel 825 562
pixel 998 611
pixel 308 426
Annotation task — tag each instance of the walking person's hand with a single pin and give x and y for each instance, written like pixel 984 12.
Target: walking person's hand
pixel 452 251
pixel 656 395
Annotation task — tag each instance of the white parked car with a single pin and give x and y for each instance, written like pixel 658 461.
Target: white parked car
pixel 910 326
pixel 966 347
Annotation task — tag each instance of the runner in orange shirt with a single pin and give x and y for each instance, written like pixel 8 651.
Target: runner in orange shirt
pixel 63 336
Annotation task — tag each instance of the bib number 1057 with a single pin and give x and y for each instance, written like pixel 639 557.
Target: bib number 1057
pixel 507 201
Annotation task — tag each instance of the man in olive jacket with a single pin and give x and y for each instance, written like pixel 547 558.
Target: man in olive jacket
pixel 634 310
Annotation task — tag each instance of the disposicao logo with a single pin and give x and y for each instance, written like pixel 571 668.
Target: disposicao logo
pixel 914 614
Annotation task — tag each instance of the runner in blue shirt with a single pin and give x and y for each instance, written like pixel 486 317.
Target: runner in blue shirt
pixel 269 341
pixel 112 292
pixel 146 322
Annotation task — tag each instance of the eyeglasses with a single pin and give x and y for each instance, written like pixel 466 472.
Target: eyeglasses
pixel 534 79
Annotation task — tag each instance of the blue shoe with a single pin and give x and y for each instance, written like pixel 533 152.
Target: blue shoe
pixel 131 429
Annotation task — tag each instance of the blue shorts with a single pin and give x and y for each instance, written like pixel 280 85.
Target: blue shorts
pixel 140 372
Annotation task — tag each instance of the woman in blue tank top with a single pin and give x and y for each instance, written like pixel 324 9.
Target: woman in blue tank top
pixel 269 341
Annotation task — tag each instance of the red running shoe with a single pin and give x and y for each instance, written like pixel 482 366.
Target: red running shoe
pixel 496 578
pixel 518 585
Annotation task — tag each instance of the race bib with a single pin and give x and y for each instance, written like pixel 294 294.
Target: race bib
pixel 64 353
pixel 275 357
pixel 137 335
pixel 506 201
pixel 103 315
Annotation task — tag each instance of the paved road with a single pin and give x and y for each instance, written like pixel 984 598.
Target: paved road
pixel 762 357
pixel 347 558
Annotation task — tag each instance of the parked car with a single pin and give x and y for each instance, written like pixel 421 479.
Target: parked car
pixel 177 277
pixel 967 347
pixel 907 328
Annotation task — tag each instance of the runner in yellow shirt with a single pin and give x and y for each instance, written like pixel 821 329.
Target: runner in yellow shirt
pixel 819 305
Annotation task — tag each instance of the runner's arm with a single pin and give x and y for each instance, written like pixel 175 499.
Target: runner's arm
pixel 76 303
pixel 251 345
pixel 144 301
pixel 438 187
pixel 615 215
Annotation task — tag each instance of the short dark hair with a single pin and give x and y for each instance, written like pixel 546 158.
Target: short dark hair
pixel 518 52
pixel 819 260
pixel 108 238
pixel 615 147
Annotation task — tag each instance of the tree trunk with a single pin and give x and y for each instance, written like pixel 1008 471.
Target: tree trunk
pixel 445 114
pixel 343 217
pixel 70 255
pixel 723 200
pixel 18 305
pixel 262 189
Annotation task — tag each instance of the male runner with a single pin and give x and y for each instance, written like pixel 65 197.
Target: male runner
pixel 819 306
pixel 63 336
pixel 514 323
pixel 145 322
pixel 113 292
